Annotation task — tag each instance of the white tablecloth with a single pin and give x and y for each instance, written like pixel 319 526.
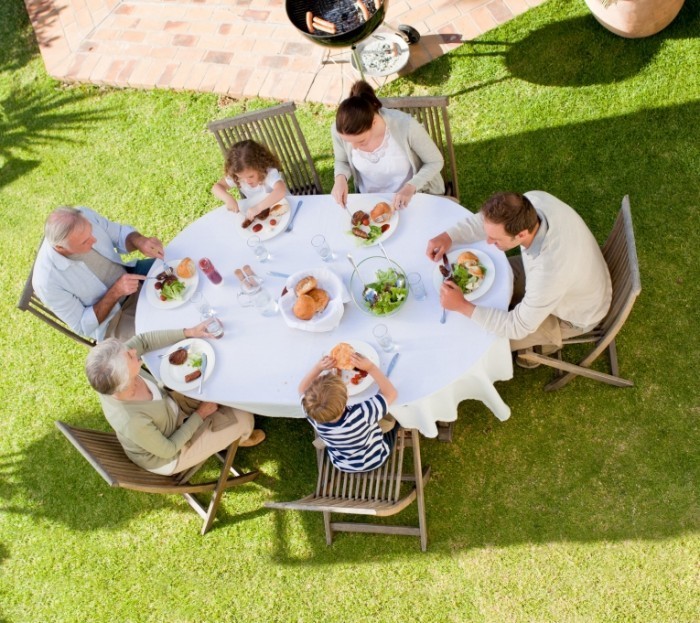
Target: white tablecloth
pixel 260 360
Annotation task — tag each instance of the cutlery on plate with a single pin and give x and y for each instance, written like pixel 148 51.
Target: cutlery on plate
pixel 203 369
pixel 291 220
pixel 392 363
pixel 448 269
pixel 274 273
pixel 185 347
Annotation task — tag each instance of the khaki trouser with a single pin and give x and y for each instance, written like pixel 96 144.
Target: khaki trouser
pixel 219 431
pixel 551 333
pixel 123 325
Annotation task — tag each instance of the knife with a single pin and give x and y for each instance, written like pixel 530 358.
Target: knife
pixel 291 221
pixel 392 363
pixel 448 268
pixel 274 273
pixel 203 368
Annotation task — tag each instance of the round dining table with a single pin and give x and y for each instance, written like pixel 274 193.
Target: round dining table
pixel 260 360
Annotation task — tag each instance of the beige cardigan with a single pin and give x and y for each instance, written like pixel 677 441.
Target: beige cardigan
pixel 148 430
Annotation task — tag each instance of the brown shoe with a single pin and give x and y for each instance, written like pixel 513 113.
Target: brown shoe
pixel 256 437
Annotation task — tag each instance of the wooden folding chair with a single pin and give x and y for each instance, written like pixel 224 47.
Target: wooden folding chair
pixel 106 455
pixel 378 493
pixel 278 129
pixel 620 254
pixel 30 302
pixel 432 113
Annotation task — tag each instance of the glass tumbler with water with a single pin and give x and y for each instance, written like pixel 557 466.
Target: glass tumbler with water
pixel 260 250
pixel 383 337
pixel 322 248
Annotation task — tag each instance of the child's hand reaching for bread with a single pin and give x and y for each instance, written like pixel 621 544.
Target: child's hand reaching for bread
pixel 326 363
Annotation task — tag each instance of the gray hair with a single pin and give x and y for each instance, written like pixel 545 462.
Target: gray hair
pixel 61 223
pixel 106 367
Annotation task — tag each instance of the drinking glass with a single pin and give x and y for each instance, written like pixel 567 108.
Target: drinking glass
pixel 415 283
pixel 214 326
pixel 201 303
pixel 319 243
pixel 383 337
pixel 261 252
pixel 258 297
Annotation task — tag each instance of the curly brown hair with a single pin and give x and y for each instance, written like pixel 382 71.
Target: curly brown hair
pixel 249 155
pixel 326 398
pixel 512 210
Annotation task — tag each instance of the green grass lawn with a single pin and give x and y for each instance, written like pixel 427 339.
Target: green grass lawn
pixel 583 506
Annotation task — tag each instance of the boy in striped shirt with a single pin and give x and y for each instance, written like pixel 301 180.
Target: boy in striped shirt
pixel 354 439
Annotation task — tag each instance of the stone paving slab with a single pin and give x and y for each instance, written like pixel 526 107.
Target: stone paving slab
pixel 239 48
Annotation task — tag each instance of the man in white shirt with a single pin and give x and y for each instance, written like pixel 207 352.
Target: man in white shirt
pixel 81 276
pixel 562 285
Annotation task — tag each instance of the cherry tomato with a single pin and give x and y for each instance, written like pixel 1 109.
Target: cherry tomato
pixel 355 380
pixel 257 227
pixel 273 222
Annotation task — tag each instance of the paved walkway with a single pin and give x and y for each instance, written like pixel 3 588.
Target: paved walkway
pixel 239 48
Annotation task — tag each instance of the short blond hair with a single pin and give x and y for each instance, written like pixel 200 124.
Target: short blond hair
pixel 326 398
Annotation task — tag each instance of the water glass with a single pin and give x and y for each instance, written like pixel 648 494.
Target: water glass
pixel 319 243
pixel 383 337
pixel 201 303
pixel 214 326
pixel 258 297
pixel 260 250
pixel 415 283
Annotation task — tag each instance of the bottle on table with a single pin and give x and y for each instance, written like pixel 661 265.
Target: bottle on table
pixel 208 269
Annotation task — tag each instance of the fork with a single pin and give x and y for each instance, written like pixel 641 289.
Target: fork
pixel 291 221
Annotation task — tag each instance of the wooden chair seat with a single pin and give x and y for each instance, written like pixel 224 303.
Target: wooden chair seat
pixel 382 492
pixel 278 129
pixel 620 253
pixel 431 112
pixel 106 455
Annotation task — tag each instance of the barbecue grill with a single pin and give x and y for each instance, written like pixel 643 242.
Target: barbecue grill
pixel 353 21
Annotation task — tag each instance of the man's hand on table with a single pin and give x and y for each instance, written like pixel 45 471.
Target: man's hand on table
pixel 452 299
pixel 150 247
pixel 438 246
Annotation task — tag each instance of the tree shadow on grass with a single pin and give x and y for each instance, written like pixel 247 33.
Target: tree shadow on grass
pixel 30 122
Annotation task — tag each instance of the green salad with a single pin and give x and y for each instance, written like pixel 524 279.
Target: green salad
pixel 389 296
pixel 464 279
pixel 195 361
pixel 172 290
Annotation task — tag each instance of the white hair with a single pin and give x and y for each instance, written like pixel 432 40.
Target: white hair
pixel 61 223
pixel 106 367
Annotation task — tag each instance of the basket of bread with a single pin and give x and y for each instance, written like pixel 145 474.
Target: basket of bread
pixel 313 300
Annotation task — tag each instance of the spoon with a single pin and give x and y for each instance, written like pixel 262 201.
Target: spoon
pixel 368 294
pixel 400 279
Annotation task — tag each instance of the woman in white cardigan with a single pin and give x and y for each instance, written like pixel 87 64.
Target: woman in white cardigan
pixel 160 430
pixel 382 150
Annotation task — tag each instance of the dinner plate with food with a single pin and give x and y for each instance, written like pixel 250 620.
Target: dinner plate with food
pixel 312 300
pixel 171 283
pixel 181 367
pixel 370 225
pixel 471 269
pixel 356 380
pixel 269 223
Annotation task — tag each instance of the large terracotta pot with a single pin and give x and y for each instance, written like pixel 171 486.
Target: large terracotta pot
pixel 635 18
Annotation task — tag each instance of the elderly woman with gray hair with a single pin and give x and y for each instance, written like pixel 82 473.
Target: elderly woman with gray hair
pixel 162 431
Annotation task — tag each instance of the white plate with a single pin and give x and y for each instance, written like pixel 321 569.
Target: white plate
pixel 376 57
pixel 268 231
pixel 330 317
pixel 368 351
pixel 174 376
pixel 153 295
pixel 484 259
pixel 367 204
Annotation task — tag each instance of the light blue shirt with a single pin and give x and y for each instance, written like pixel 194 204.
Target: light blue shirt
pixel 69 287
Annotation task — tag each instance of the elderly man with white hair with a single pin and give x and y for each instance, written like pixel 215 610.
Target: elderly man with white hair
pixel 80 275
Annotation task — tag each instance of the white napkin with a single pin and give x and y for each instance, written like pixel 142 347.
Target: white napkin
pixel 330 317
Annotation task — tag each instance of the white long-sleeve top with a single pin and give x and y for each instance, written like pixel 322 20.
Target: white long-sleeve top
pixel 565 276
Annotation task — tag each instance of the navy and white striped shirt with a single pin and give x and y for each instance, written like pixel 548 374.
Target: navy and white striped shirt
pixel 355 443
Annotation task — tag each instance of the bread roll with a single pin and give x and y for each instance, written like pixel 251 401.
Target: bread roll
pixel 279 209
pixel 305 285
pixel 381 212
pixel 467 258
pixel 304 307
pixel 320 297
pixel 186 268
pixel 342 353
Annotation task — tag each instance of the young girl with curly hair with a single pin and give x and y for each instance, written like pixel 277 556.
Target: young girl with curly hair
pixel 254 170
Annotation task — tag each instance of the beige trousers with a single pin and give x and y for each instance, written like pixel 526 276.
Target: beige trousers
pixel 219 431
pixel 551 333
pixel 123 325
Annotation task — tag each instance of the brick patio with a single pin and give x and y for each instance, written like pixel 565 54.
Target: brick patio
pixel 239 48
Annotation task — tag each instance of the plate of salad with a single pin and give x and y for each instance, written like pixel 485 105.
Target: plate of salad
pixel 362 227
pixel 166 289
pixel 386 279
pixel 472 270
